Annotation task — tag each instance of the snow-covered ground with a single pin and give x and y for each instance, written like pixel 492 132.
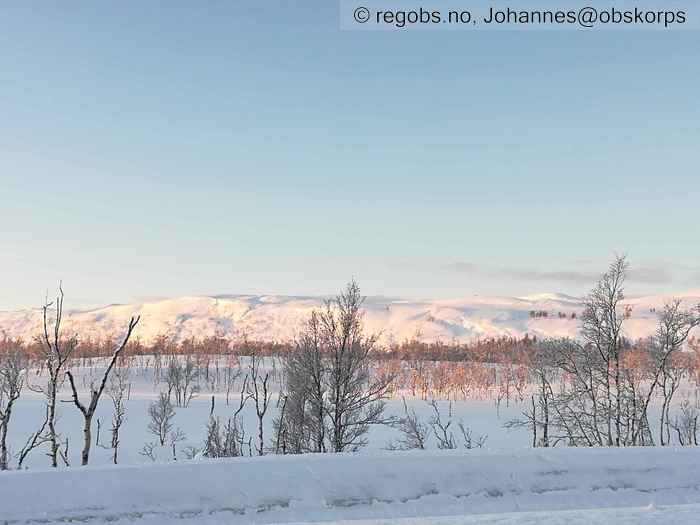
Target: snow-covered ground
pixel 505 483
pixel 652 485
pixel 481 415
pixel 277 318
pixel 671 515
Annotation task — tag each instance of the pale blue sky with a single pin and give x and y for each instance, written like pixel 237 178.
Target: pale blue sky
pixel 168 148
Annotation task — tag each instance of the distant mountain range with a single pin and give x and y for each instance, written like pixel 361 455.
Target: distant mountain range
pixel 278 318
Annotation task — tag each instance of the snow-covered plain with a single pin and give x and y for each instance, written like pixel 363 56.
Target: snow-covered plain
pixel 671 515
pixel 480 414
pixel 505 483
pixel 653 485
pixel 277 318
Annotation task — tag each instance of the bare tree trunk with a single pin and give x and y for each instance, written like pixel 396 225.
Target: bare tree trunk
pixel 115 445
pixel 618 396
pixel 87 440
pixel 3 437
pixel 13 366
pixel 89 411
pixel 53 439
pixel 534 424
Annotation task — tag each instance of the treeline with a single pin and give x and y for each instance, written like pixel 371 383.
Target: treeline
pixel 163 345
pixel 491 350
pixel 487 350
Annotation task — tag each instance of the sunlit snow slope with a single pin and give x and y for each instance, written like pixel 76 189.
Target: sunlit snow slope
pixel 277 318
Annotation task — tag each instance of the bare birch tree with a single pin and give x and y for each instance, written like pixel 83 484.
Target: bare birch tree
pixel 257 386
pixel 355 399
pixel 55 352
pixel 675 325
pixel 601 330
pixel 605 384
pixel 331 397
pixel 117 392
pixel 301 425
pixel 540 417
pixel 13 367
pixel 88 411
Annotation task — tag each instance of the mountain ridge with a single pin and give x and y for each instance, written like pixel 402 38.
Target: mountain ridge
pixel 268 317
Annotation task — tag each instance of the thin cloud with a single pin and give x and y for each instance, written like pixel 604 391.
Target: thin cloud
pixel 150 298
pixel 521 273
pixel 647 275
pixel 650 275
pixel 694 279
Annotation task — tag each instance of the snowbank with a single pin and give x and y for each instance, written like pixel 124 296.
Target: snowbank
pixel 336 487
pixel 650 515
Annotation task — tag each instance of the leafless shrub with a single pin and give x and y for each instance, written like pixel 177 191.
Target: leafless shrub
pixel 161 414
pixel 228 440
pixel 182 380
pixel 224 441
pixel 445 437
pixel 175 437
pixel 34 441
pixel 191 452
pixel 441 429
pixel 686 424
pixel 414 431
pixel 148 450
pixel 469 441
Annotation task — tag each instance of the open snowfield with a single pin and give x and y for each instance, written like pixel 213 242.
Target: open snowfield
pixel 505 483
pixel 481 415
pixel 660 485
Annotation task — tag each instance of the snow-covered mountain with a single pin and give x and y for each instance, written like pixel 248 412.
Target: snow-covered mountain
pixel 277 318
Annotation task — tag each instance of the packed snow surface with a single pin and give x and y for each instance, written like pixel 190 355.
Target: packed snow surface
pixel 545 486
pixel 649 515
pixel 278 318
